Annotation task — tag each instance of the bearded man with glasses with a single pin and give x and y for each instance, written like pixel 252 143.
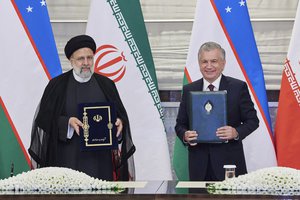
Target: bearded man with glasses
pixel 56 127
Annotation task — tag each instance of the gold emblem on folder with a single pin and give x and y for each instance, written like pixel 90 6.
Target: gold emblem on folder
pixel 97 118
pixel 208 107
pixel 85 127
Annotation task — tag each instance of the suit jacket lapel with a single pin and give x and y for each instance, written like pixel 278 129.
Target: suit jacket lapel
pixel 201 84
pixel 223 83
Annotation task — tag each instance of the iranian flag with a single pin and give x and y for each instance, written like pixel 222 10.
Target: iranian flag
pixel 287 129
pixel 28 60
pixel 124 55
pixel 227 22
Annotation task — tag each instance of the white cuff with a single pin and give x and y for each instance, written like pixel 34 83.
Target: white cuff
pixel 70 132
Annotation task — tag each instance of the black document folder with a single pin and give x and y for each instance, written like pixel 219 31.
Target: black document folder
pixel 207 112
pixel 99 130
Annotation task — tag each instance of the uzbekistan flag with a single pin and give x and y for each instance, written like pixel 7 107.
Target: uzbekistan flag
pixel 29 59
pixel 227 22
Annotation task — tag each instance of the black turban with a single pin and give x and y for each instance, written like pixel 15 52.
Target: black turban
pixel 79 42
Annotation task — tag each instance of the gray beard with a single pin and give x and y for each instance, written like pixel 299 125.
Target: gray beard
pixel 82 74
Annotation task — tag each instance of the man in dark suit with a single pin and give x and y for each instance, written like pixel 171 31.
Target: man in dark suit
pixel 206 160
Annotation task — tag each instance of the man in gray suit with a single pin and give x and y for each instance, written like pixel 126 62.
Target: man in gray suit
pixel 206 160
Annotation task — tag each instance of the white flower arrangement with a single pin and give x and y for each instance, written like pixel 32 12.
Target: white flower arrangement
pixel 55 179
pixel 273 180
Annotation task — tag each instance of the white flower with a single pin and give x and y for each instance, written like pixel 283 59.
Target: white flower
pixel 54 179
pixel 278 180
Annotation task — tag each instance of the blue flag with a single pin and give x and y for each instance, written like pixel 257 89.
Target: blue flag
pixel 37 21
pixel 29 59
pixel 236 21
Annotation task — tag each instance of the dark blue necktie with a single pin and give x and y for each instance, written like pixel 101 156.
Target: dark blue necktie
pixel 211 87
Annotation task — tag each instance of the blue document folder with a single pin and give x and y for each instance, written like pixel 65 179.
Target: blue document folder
pixel 99 130
pixel 207 112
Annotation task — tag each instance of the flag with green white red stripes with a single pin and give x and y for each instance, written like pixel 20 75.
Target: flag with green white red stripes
pixel 123 54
